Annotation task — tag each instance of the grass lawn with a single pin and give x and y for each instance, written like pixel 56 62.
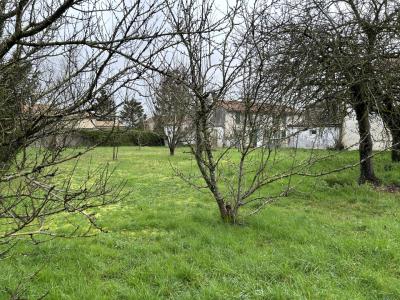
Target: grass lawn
pixel 330 239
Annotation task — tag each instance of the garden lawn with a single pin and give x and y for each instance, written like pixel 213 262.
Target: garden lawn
pixel 329 239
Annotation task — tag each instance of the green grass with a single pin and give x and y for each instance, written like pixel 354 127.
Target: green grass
pixel 330 239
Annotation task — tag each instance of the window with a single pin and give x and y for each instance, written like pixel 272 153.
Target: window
pixel 313 131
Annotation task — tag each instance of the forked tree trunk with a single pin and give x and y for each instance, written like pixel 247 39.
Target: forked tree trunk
pixel 228 214
pixel 360 107
pixel 115 152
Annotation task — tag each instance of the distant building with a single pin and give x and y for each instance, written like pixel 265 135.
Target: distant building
pixel 329 131
pixel 314 128
pixel 380 135
pixel 282 126
pixel 271 120
pixel 89 122
pixel 149 124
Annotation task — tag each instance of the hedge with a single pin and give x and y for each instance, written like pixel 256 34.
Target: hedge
pixel 85 137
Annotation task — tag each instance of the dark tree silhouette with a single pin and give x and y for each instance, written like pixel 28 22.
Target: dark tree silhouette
pixel 104 107
pixel 172 104
pixel 132 114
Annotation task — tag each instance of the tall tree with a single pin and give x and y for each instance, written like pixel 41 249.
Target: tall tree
pixel 225 58
pixel 54 60
pixel 133 114
pixel 339 50
pixel 172 105
pixel 104 107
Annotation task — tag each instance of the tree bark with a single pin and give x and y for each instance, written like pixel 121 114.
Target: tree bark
pixel 391 118
pixel 395 144
pixel 7 154
pixel 171 150
pixel 390 121
pixel 361 109
pixel 4 159
pixel 228 214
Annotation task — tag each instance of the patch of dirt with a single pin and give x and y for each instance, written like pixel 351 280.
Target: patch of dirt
pixel 391 188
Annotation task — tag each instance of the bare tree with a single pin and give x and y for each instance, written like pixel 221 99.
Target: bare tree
pixel 55 60
pixel 233 61
pixel 338 50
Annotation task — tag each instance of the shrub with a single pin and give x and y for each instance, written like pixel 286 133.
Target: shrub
pixel 85 137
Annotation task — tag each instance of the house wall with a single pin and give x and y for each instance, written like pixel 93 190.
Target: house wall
pixel 266 123
pixel 218 137
pixel 229 128
pixel 314 138
pixel 149 124
pixel 380 136
pixel 88 123
pixel 318 138
pixel 326 137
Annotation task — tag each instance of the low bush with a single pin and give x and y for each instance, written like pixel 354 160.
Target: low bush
pixel 85 137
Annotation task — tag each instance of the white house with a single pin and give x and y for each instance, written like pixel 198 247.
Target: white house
pixel 285 127
pixel 313 138
pixel 380 135
pixel 327 134
pixel 228 120
pixel 311 129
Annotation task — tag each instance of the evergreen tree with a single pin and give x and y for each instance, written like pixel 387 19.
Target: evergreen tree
pixel 172 105
pixel 17 85
pixel 132 114
pixel 105 107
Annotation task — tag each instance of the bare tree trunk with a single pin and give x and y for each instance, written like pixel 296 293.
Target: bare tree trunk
pixel 339 143
pixel 360 107
pixel 207 164
pixel 390 122
pixel 171 150
pixel 171 144
pixel 115 152
pixel 395 145
pixel 228 215
pixel 4 158
pixel 391 118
